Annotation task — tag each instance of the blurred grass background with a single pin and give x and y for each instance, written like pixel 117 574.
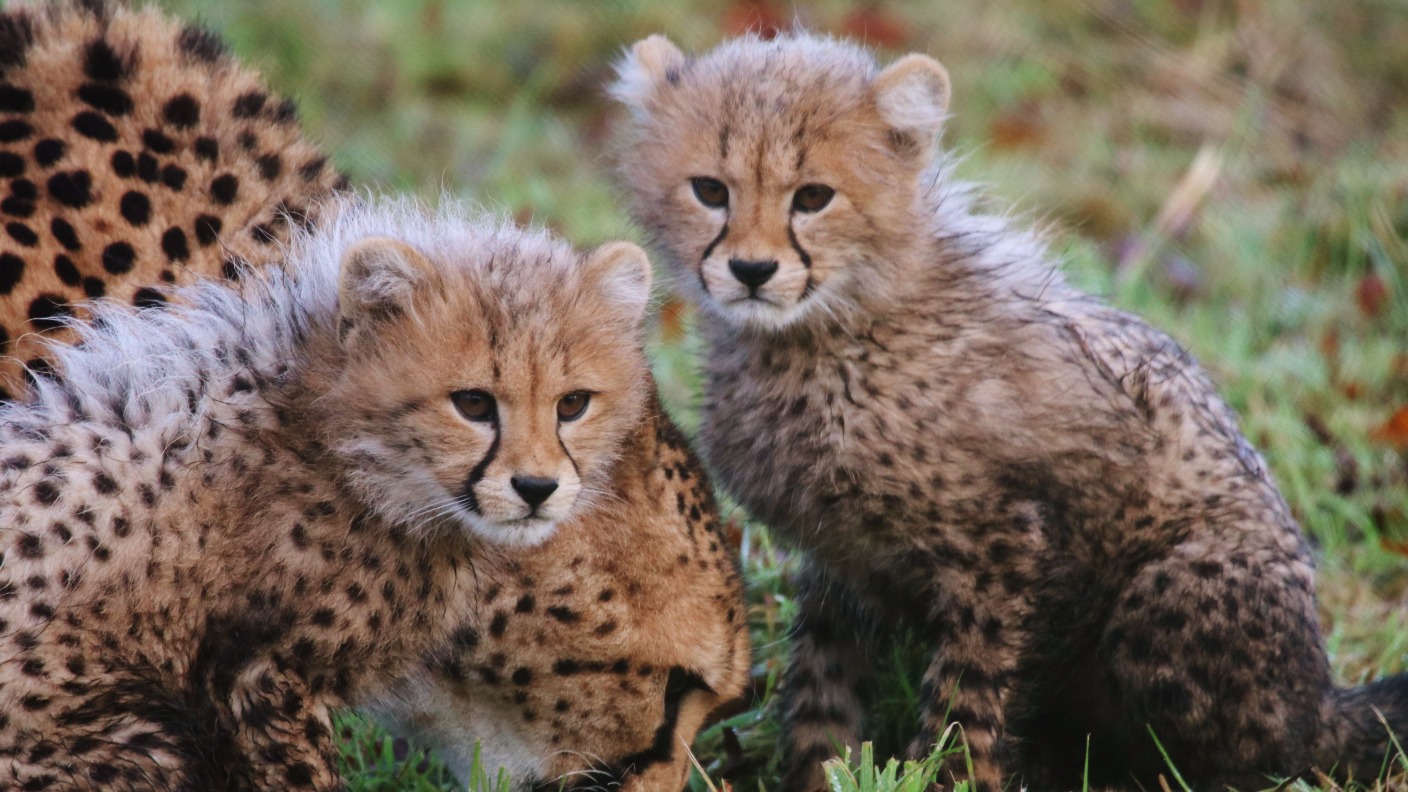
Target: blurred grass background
pixel 1236 172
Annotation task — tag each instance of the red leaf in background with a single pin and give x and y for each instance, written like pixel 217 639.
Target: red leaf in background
pixel 1372 295
pixel 876 28
pixel 1015 129
pixel 1395 546
pixel 1394 431
pixel 733 532
pixel 1330 347
pixel 754 16
pixel 672 320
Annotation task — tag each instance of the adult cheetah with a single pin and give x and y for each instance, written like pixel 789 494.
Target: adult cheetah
pixel 135 154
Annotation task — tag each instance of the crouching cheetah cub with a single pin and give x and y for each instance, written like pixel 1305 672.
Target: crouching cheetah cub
pixel 591 661
pixel 1047 489
pixel 230 515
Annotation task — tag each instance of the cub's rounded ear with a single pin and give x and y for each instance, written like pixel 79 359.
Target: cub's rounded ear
pixel 621 271
pixel 378 279
pixel 912 96
pixel 640 72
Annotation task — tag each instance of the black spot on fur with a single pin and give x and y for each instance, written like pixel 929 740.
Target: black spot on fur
pixel 14 99
pixel 11 165
pixel 123 164
pixel 108 98
pixel 157 141
pixel 311 169
pixel 248 105
pixel 136 208
pixel 66 270
pixel 224 189
pixel 118 258
pixel 286 112
pixel 174 177
pixel 173 244
pixel 94 287
pixel 207 149
pixel 270 166
pixel 48 151
pixel 22 233
pixel 91 125
pixel 47 311
pixel 15 129
pixel 147 297
pixel 207 229
pixel 101 62
pixel 64 233
pixel 11 271
pixel 71 188
pixel 17 207
pixel 182 111
pixel 201 44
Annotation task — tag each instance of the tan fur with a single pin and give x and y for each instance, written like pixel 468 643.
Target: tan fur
pixel 205 182
pixel 1047 490
pixel 595 658
pixel 200 561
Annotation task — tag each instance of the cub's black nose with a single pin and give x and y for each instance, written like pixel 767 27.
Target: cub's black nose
pixel 533 489
pixel 752 273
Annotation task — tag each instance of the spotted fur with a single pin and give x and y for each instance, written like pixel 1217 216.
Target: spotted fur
pixel 222 519
pixel 591 662
pixel 1046 489
pixel 135 155
pixel 639 688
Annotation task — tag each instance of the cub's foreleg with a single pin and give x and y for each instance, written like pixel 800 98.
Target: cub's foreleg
pixel 825 687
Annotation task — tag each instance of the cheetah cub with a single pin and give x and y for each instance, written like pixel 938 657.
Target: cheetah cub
pixel 1047 489
pixel 231 515
pixel 591 661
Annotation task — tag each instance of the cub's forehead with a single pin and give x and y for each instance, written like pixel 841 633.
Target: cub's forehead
pixel 777 79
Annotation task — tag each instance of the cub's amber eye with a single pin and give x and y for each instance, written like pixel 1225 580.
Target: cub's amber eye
pixel 812 197
pixel 710 192
pixel 476 405
pixel 571 406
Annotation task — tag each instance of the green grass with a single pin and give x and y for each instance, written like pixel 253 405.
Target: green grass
pixel 1285 270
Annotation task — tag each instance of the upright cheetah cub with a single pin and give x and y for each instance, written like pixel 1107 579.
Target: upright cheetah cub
pixel 228 516
pixel 1047 489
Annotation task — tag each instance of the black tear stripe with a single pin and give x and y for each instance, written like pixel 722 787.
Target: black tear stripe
pixel 563 446
pixel 709 251
pixel 662 747
pixel 797 246
pixel 471 501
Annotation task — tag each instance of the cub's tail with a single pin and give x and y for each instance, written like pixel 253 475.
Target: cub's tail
pixel 1367 729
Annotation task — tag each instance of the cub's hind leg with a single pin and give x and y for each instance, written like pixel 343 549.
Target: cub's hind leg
pixel 825 686
pixel 1218 650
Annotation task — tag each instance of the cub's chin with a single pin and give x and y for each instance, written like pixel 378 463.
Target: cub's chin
pixel 758 313
pixel 525 532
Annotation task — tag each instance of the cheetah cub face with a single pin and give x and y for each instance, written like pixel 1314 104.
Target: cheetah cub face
pixel 773 175
pixel 486 385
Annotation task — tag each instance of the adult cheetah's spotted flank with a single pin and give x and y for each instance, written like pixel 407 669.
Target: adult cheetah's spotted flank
pixel 135 154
